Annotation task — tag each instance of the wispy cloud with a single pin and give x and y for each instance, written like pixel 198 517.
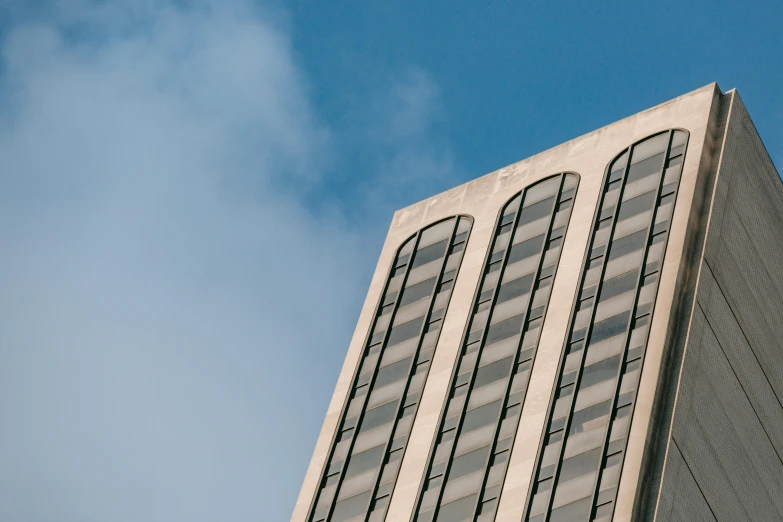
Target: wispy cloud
pixel 413 157
pixel 172 315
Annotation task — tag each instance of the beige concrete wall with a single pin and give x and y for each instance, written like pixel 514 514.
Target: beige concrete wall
pixel 699 116
pixel 482 199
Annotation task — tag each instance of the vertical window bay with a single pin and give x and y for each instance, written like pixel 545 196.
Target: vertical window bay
pixel 481 414
pixel 365 455
pixel 583 447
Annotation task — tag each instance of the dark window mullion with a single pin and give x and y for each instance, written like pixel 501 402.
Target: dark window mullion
pixel 411 368
pixel 455 372
pixel 492 301
pixel 624 353
pixel 370 384
pixel 499 420
pixel 588 331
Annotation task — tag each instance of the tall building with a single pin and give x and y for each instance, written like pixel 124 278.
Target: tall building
pixel 591 334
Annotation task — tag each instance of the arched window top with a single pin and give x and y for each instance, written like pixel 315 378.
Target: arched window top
pixel 376 420
pixel 651 148
pixel 489 382
pixel 407 247
pixel 541 190
pixel 603 355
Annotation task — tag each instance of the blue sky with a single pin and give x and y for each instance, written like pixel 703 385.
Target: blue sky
pixel 193 195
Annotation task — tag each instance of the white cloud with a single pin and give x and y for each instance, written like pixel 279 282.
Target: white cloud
pixel 413 158
pixel 172 315
pixel 157 282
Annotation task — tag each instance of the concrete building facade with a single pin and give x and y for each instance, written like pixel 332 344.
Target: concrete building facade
pixel 592 333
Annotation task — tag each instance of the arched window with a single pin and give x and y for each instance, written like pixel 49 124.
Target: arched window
pixel 583 446
pixel 467 464
pixel 375 423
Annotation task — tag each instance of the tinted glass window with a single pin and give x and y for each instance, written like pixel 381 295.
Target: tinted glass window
pixel 526 249
pixel 515 288
pixel 430 253
pixel 379 416
pixel 536 211
pixel 393 373
pixel 440 246
pixel 610 327
pixel 600 371
pixel 418 291
pixel 619 285
pixel 646 168
pixel 579 465
pixel 628 244
pixel 504 329
pixel 646 216
pixel 637 205
pixel 365 461
pixel 455 511
pixel 493 372
pixel 350 507
pixel 469 462
pixel 481 416
pixel 525 235
pixel 405 331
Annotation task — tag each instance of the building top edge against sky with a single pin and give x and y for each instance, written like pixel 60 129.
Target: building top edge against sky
pixel 557 149
pixel 614 228
pixel 570 155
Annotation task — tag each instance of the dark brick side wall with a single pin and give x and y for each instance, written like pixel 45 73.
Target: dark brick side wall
pixel 725 456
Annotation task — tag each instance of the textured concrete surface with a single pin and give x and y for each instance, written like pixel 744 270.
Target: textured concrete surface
pixel 724 458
